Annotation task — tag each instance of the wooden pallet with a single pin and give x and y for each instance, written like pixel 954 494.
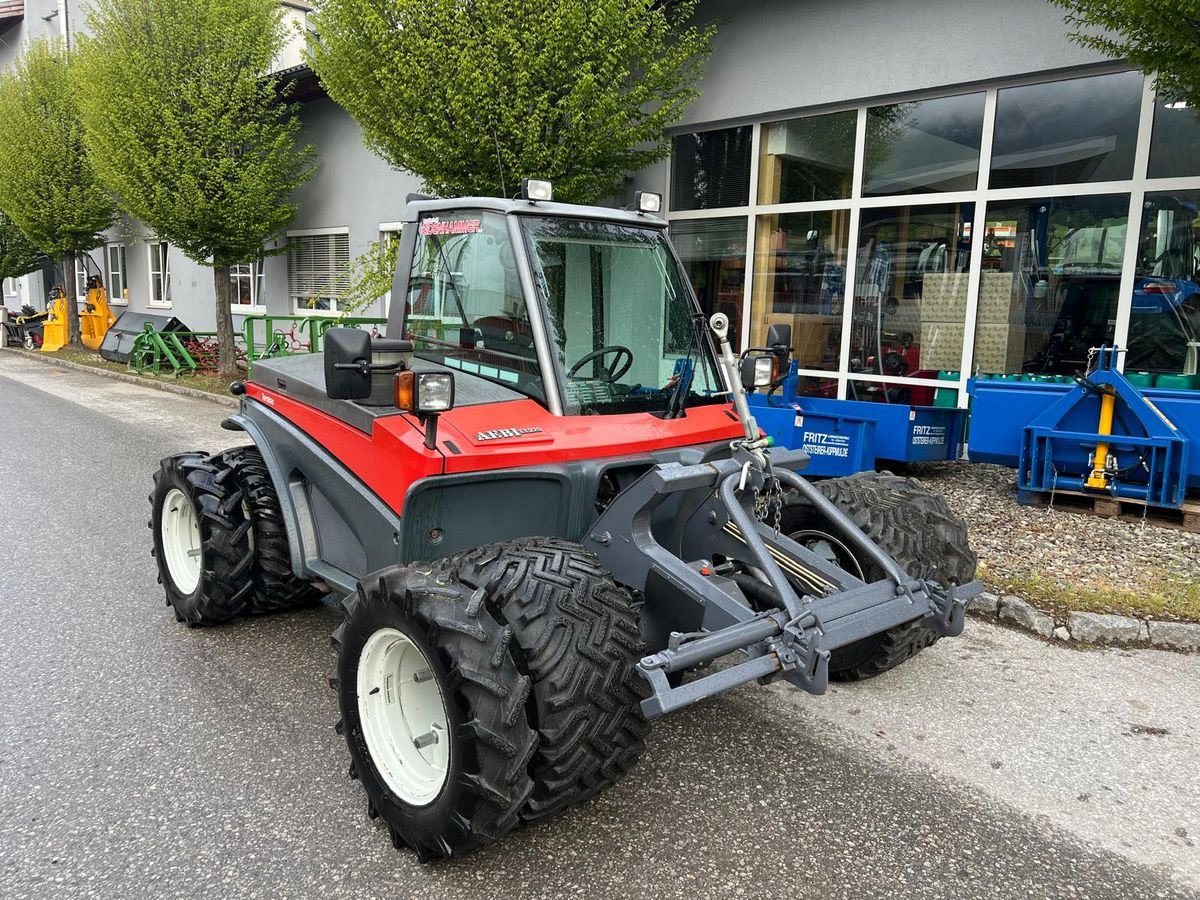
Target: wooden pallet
pixel 1185 517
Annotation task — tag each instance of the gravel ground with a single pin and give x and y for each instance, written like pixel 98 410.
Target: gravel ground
pixel 1073 549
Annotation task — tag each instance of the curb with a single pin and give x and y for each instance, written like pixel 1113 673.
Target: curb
pixel 1087 628
pixel 165 386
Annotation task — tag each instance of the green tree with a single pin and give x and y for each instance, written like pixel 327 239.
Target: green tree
pixel 1160 36
pixel 474 95
pixel 48 186
pixel 18 255
pixel 186 127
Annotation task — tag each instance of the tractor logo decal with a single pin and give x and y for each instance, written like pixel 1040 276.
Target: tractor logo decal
pixel 453 226
pixel 498 433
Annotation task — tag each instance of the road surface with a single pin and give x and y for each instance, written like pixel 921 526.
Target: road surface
pixel 140 758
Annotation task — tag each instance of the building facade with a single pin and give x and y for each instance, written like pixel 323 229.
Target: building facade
pixel 923 190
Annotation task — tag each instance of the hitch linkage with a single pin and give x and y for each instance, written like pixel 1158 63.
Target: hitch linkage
pixel 793 642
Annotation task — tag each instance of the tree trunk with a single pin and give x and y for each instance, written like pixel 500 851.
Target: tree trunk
pixel 226 347
pixel 72 306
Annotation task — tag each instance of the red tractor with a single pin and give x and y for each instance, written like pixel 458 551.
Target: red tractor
pixel 543 507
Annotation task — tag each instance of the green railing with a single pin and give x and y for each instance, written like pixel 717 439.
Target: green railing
pixel 179 353
pixel 271 336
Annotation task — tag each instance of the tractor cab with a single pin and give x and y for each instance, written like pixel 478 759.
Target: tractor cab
pixel 584 310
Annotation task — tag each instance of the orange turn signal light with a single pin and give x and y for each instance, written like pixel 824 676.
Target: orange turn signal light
pixel 406 390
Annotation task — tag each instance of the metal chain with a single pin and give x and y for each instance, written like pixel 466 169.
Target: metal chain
pixel 768 502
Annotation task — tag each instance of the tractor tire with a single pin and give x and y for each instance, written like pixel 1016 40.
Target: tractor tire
pixel 913 525
pixel 580 640
pixel 276 588
pixel 202 539
pixel 434 711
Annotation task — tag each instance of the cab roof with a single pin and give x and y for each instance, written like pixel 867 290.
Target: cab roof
pixel 415 208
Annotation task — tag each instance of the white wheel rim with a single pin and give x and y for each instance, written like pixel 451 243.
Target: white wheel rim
pixel 403 716
pixel 180 531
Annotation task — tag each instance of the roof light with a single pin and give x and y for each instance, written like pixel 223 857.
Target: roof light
pixel 648 202
pixel 535 189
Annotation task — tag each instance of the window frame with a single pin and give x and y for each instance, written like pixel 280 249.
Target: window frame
pixel 293 299
pixel 159 273
pixel 116 298
pixel 256 277
pixel 980 195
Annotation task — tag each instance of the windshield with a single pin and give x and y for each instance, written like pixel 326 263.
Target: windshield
pixel 625 330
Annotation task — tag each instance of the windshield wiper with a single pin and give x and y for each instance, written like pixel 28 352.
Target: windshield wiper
pixel 678 400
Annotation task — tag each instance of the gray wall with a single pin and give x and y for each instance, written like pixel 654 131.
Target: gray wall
pixel 781 55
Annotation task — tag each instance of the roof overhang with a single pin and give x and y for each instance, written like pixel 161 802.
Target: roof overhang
pixel 12 12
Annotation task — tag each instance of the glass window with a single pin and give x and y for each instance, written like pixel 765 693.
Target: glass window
pixel 118 287
pixel 800 280
pixel 1049 285
pixel 893 392
pixel 910 290
pixel 1175 140
pixel 808 160
pixel 247 281
pixel 713 253
pixel 1066 132
pixel 1164 324
pixel 711 169
pixel 623 323
pixel 318 270
pixel 924 147
pixel 160 273
pixel 465 308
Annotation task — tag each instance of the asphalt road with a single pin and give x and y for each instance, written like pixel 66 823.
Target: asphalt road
pixel 140 758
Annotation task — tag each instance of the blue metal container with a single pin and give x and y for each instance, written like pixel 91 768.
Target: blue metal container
pixel 836 444
pixel 902 433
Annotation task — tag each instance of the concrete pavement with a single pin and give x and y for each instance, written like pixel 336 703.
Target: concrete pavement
pixel 139 758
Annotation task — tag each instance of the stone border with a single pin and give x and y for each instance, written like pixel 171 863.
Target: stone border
pixel 129 378
pixel 1087 627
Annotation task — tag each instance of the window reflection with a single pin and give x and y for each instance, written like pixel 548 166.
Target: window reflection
pixel 923 147
pixel 713 253
pixel 800 280
pixel 1049 285
pixel 892 392
pixel 1175 140
pixel 808 160
pixel 1164 324
pixel 1066 132
pixel 711 169
pixel 910 292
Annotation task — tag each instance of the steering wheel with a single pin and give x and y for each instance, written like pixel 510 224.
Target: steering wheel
pixel 620 365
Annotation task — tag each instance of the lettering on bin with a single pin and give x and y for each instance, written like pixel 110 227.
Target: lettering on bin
pixel 819 444
pixel 929 435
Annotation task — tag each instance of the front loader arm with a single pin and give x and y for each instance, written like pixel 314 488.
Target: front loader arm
pixel 793 640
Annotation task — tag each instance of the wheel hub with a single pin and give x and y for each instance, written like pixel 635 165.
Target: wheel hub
pixel 403 716
pixel 180 533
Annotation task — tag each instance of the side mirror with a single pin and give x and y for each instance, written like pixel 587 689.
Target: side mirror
pixel 779 336
pixel 347 364
pixel 757 371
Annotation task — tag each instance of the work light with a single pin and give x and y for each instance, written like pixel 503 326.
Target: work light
pixel 648 202
pixel 534 189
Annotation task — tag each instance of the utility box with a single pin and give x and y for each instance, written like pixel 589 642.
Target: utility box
pixel 836 444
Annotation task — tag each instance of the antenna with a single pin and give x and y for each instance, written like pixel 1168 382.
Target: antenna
pixel 499 163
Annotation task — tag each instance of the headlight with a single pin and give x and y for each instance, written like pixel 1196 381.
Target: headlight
pixel 424 393
pixel 435 392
